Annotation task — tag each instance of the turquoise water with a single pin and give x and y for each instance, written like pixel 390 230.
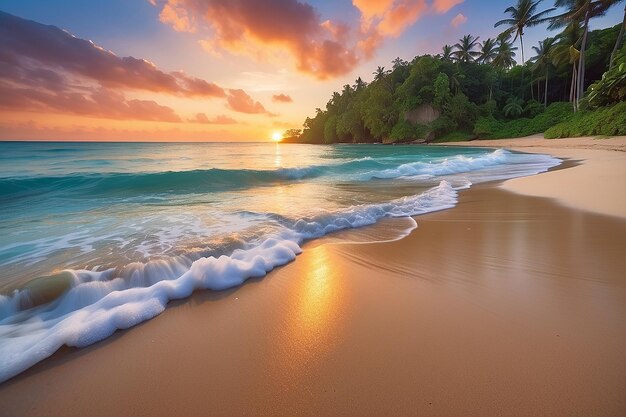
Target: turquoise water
pixel 127 227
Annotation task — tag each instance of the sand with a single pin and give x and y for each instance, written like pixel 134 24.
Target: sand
pixel 597 184
pixel 508 304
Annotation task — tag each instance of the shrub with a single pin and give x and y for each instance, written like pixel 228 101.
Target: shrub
pixel 608 121
pixel 491 128
pixel 404 131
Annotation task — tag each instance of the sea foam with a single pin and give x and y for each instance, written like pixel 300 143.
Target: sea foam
pixel 99 303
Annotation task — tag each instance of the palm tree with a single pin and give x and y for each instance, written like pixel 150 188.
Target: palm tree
pixel 380 73
pixel 618 42
pixel 544 60
pixel 580 11
pixel 399 62
pixel 359 84
pixel 567 52
pixel 513 107
pixel 447 53
pixel 505 52
pixel 488 51
pixel 465 49
pixel 524 14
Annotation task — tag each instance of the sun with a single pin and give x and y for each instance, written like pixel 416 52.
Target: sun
pixel 277 136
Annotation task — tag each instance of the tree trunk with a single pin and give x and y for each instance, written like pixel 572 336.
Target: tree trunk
pixel 581 61
pixel 572 90
pixel 521 39
pixel 618 42
pixel 545 94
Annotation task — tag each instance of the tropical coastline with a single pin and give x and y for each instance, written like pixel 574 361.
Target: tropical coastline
pixel 177 237
pixel 506 303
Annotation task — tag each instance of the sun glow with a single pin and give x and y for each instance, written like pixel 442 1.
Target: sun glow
pixel 277 136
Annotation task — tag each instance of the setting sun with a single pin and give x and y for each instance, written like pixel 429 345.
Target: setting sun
pixel 277 136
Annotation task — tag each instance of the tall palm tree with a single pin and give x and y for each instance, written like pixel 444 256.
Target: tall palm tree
pixel 505 52
pixel 447 53
pixel 619 40
pixel 488 51
pixel 359 84
pixel 380 73
pixel 543 60
pixel 580 11
pixel 465 49
pixel 567 52
pixel 399 62
pixel 524 14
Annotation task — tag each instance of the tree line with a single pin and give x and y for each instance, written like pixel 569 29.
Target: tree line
pixel 476 79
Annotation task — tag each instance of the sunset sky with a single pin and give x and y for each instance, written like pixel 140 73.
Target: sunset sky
pixel 209 70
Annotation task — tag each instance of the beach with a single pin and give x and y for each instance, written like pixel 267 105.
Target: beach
pixel 511 303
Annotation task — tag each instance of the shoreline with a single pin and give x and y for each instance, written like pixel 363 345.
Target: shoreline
pixel 494 306
pixel 593 185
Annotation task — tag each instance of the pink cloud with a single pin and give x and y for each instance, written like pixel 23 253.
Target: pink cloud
pixel 443 6
pixel 323 49
pixel 97 102
pixel 282 98
pixel 30 46
pixel 220 119
pixel 240 101
pixel 458 20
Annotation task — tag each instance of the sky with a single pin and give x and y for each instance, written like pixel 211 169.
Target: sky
pixel 210 70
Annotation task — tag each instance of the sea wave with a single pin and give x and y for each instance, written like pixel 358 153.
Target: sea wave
pixel 125 185
pixel 97 303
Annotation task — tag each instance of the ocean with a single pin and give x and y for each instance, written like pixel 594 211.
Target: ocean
pixel 96 237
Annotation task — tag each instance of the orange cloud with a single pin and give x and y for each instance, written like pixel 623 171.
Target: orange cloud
pixel 45 69
pixel 403 14
pixel 282 98
pixel 458 20
pixel 442 6
pixel 98 102
pixel 240 101
pixel 176 17
pixel 254 28
pixel 217 120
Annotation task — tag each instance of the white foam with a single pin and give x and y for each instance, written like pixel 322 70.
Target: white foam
pixel 99 303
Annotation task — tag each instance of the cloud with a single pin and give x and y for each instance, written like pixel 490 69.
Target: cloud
pixel 240 101
pixel 98 102
pixel 443 6
pixel 458 20
pixel 46 69
pixel 29 46
pixel 282 98
pixel 176 17
pixel 265 29
pixel 220 119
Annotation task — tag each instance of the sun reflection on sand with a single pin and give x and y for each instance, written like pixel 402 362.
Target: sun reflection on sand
pixel 318 301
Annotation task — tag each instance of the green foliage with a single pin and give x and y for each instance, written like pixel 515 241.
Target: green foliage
pixel 456 136
pixel 491 128
pixel 330 130
pixel 608 121
pixel 484 97
pixel 514 107
pixel 461 111
pixel 378 112
pixel 533 108
pixel 611 88
pixel 404 131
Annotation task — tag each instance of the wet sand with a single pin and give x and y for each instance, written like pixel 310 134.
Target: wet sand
pixel 507 304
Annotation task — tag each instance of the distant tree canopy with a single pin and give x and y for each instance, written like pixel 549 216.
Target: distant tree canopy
pixel 469 81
